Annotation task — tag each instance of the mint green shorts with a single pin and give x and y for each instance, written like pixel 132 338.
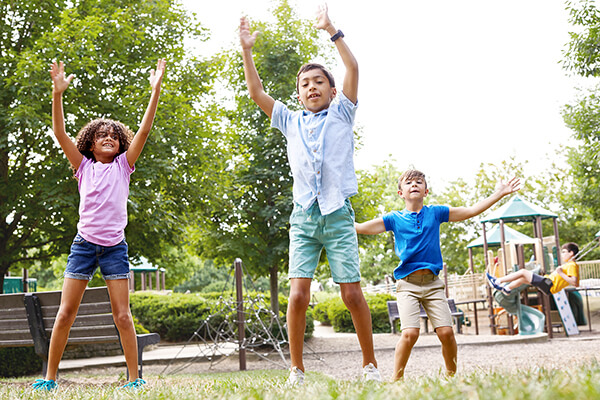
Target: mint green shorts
pixel 310 232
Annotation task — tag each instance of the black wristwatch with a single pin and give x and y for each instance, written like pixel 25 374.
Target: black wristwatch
pixel 337 35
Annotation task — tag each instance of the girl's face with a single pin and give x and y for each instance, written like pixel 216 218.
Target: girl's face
pixel 106 144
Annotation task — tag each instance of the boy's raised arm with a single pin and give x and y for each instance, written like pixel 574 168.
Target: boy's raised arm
pixel 350 88
pixel 502 189
pixel 139 140
pixel 372 227
pixel 59 85
pixel 255 87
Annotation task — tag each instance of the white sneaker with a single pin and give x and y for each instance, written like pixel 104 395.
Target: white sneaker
pixel 296 377
pixel 371 373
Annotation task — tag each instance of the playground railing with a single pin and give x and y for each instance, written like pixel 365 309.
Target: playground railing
pixel 466 287
pixel 589 269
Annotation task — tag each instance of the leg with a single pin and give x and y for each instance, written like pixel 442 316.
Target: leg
pixel 72 292
pixel 403 348
pixel 354 299
pixel 449 348
pixel 516 279
pixel 296 318
pixel 118 289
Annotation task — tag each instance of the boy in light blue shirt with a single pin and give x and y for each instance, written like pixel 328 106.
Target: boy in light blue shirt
pixel 320 146
pixel 417 243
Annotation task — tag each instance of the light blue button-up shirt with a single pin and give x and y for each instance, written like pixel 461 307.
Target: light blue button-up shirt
pixel 320 149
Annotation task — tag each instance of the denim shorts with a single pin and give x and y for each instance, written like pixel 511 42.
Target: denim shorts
pixel 85 257
pixel 310 232
pixel 427 290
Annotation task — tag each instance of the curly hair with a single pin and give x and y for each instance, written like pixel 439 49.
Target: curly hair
pixel 87 136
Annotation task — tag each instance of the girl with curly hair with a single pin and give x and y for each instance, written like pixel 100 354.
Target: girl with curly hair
pixel 103 159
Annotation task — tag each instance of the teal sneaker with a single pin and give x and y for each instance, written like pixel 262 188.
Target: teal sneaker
pixel 47 385
pixel 135 385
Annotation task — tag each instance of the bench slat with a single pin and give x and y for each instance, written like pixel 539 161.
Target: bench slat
pixel 17 334
pixel 16 343
pixel 84 309
pixel 13 324
pixel 93 339
pixel 13 300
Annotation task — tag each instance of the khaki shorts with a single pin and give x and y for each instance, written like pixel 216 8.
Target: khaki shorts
pixel 427 290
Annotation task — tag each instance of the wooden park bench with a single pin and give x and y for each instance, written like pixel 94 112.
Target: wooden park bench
pixel 394 315
pixel 26 319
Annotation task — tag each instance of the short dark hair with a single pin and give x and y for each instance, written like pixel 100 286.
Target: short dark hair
pixel 310 67
pixel 572 247
pixel 411 174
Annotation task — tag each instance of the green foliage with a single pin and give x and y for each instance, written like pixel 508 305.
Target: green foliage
pixel 176 317
pixel 18 361
pixel 110 46
pixel 333 312
pixel 583 117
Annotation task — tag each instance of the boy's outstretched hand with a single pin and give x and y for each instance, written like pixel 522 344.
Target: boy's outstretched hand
pixel 247 40
pixel 506 188
pixel 323 21
pixel 57 73
pixel 157 75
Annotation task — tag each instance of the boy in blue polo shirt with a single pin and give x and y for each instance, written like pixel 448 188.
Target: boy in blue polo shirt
pixel 320 146
pixel 417 244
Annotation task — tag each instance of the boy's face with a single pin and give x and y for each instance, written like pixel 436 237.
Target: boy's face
pixel 566 255
pixel 314 90
pixel 106 143
pixel 413 189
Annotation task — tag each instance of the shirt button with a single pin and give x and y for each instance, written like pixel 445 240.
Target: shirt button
pixel 318 172
pixel 319 193
pixel 310 131
pixel 315 150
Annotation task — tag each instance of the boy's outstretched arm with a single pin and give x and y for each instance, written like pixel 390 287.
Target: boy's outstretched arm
pixel 571 280
pixel 372 227
pixel 255 87
pixel 350 88
pixel 59 85
pixel 139 140
pixel 502 189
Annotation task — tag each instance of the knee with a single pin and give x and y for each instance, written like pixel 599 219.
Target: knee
pixel 410 335
pixel 353 299
pixel 65 316
pixel 122 319
pixel 445 334
pixel 299 300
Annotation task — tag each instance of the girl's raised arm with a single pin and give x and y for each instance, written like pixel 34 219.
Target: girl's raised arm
pixel 60 84
pixel 139 140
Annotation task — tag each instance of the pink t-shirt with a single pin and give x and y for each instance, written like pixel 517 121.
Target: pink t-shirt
pixel 103 189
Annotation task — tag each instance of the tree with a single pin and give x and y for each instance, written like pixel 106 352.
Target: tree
pixel 110 47
pixel 582 57
pixel 249 218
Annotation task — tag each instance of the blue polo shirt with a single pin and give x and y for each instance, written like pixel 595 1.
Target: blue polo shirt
pixel 417 238
pixel 320 148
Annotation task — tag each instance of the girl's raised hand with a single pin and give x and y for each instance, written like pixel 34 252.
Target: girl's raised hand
pixel 323 21
pixel 157 75
pixel 57 73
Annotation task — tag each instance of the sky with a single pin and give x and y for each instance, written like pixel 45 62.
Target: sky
pixel 444 85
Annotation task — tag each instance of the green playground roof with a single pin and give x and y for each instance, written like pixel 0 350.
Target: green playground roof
pixel 143 265
pixel 493 237
pixel 518 209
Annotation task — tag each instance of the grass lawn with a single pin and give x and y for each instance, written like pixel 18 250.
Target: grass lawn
pixel 582 383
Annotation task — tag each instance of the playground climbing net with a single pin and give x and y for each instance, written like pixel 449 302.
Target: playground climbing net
pixel 217 336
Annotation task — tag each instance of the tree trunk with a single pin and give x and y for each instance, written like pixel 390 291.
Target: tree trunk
pixel 274 290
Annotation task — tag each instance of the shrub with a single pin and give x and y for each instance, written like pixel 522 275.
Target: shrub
pixel 176 317
pixel 333 311
pixel 19 361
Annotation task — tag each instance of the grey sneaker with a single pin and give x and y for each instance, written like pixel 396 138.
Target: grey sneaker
pixel 296 377
pixel 371 373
